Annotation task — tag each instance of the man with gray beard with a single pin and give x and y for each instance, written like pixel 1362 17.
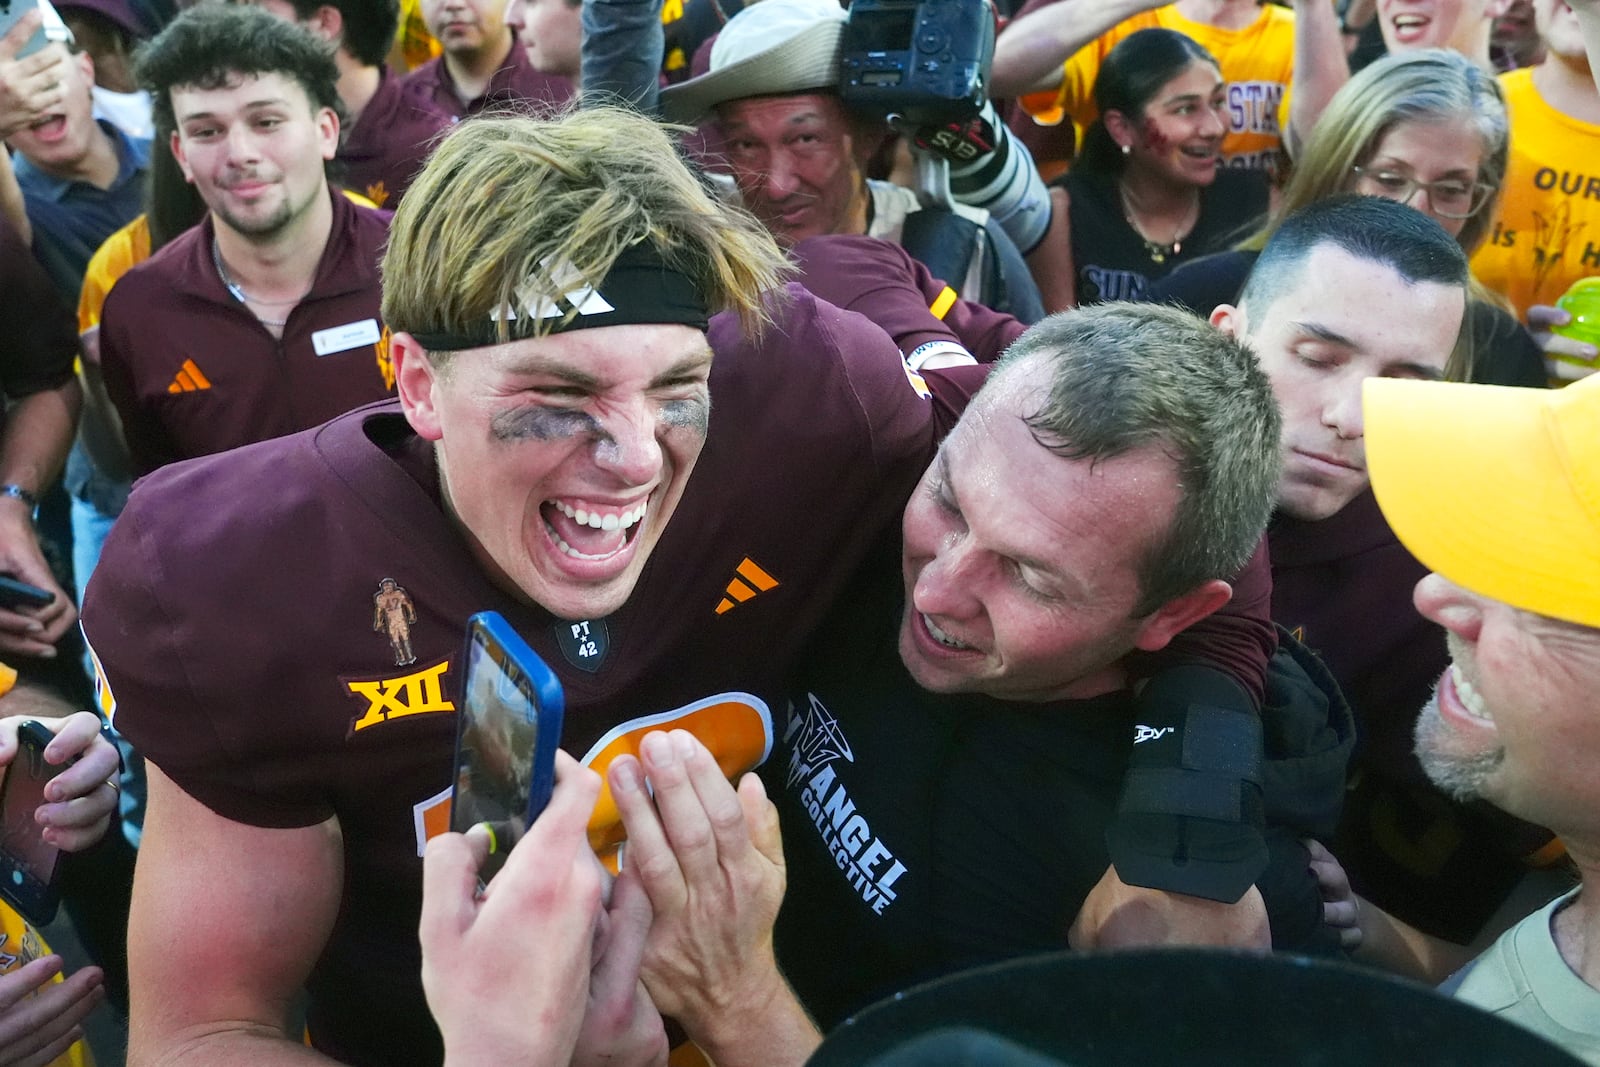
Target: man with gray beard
pixel 1494 489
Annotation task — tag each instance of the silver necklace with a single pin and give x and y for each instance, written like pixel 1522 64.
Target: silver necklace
pixel 1158 251
pixel 244 298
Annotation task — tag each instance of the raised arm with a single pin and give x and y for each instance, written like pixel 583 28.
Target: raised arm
pixel 1029 53
pixel 1320 68
pixel 227 922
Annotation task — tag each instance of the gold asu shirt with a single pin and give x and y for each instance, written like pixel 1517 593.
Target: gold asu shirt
pixel 1546 234
pixel 1257 64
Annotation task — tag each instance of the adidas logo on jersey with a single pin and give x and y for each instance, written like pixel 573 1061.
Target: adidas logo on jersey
pixel 189 379
pixel 750 581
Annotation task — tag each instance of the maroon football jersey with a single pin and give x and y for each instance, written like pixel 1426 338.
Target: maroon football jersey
pixel 391 140
pixel 192 371
pixel 233 617
pixel 882 281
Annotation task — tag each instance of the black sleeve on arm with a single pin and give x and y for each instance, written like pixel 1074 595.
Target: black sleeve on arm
pixel 1190 818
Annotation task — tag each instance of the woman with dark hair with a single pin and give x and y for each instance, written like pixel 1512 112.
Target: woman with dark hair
pixel 1149 190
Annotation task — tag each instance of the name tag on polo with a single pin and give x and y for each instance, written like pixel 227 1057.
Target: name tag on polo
pixel 343 338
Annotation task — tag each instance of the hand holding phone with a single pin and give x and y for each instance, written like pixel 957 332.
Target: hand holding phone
pixel 507 733
pixel 33 77
pixel 27 860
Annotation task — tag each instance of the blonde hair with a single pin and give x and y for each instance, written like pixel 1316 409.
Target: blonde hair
pixel 504 195
pixel 1429 86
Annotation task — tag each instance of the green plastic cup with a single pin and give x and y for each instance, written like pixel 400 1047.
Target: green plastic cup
pixel 1582 302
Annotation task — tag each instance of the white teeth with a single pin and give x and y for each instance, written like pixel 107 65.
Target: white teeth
pixel 1470 700
pixel 597 521
pixel 569 550
pixel 940 636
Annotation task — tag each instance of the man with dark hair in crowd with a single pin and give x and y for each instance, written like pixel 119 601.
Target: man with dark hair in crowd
pixel 1362 288
pixel 387 133
pixel 264 319
pixel 483 65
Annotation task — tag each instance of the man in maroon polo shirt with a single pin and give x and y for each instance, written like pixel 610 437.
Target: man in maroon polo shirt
pixel 387 133
pixel 483 64
pixel 264 319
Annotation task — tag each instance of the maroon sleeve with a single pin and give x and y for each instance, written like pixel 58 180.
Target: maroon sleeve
pixel 1238 640
pixel 150 614
pixel 880 280
pixel 148 446
pixel 41 338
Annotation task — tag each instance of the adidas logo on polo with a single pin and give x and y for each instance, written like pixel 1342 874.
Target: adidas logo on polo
pixel 750 581
pixel 189 379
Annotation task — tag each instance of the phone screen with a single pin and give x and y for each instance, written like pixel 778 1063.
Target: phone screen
pixel 503 772
pixel 27 861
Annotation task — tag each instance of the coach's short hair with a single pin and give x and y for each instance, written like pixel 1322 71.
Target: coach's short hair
pixel 1127 376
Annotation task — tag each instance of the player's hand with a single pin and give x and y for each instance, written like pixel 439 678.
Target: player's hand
pixel 711 860
pixel 40 1019
pixel 1341 909
pixel 81 800
pixel 1119 915
pixel 33 86
pixel 29 631
pixel 506 974
pixel 1541 319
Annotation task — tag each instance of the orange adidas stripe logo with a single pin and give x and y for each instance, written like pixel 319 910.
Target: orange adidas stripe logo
pixel 740 589
pixel 189 379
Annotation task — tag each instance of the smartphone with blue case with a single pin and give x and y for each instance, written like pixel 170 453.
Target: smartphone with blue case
pixel 507 733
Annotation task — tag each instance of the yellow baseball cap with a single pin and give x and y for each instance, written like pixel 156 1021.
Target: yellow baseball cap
pixel 1496 488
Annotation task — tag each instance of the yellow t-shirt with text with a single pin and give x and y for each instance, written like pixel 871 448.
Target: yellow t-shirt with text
pixel 1257 64
pixel 1546 234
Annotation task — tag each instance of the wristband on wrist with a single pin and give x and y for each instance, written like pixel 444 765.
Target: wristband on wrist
pixel 24 495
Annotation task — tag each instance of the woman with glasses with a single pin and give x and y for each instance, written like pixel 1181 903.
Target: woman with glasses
pixel 1425 128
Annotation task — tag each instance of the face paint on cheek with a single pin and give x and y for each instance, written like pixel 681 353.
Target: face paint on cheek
pixel 541 424
pixel 1154 139
pixel 692 415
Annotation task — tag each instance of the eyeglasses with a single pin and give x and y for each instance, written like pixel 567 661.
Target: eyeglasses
pixel 1451 198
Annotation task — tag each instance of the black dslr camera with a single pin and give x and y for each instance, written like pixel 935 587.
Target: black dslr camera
pixel 926 61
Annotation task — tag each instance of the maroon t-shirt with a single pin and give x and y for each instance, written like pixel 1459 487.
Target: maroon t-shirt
pixel 192 371
pixel 1343 586
pixel 515 84
pixel 391 140
pixel 233 618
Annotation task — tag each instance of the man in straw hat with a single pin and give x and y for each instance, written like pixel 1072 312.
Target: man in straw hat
pixel 1497 491
pixel 799 156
